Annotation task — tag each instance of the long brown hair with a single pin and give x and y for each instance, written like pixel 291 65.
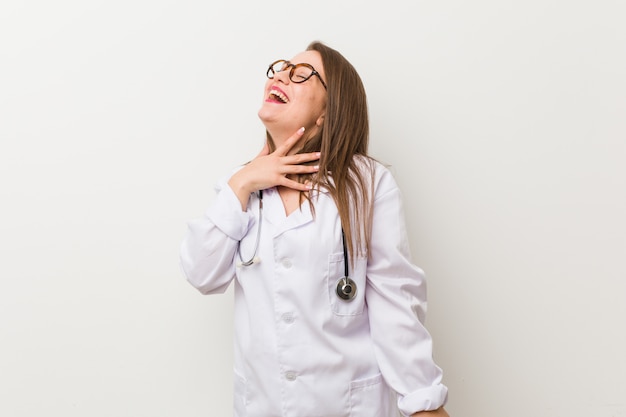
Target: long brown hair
pixel 343 135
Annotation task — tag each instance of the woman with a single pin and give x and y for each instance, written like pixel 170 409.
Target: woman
pixel 328 306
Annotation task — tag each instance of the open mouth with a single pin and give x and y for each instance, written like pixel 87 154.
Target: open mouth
pixel 277 95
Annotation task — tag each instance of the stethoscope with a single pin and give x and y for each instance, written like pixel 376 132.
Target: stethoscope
pixel 346 287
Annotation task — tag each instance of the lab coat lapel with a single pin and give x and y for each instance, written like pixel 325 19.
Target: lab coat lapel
pixel 276 212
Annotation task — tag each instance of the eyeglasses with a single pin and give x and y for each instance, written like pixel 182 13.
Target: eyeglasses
pixel 298 73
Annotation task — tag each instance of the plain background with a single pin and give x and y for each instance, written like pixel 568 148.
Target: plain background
pixel 504 123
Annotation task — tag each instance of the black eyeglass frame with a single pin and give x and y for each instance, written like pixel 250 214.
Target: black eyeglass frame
pixel 292 69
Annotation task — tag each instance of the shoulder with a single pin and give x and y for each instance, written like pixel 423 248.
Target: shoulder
pixel 376 174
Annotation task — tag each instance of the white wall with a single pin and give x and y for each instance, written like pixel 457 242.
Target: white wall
pixel 504 123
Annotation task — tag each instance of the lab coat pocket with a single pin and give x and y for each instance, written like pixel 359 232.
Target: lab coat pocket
pixel 370 397
pixel 240 395
pixel 336 271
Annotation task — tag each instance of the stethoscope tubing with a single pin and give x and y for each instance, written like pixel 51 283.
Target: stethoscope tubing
pixel 254 258
pixel 346 287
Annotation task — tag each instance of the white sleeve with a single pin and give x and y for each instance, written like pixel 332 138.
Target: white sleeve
pixel 207 253
pixel 396 299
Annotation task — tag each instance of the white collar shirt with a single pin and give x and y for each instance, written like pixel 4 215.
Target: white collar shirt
pixel 300 350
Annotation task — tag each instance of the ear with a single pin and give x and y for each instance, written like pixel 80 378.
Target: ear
pixel 320 120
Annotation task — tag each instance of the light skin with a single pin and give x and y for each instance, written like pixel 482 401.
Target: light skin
pixel 290 123
pixel 440 412
pixel 305 106
pixel 272 170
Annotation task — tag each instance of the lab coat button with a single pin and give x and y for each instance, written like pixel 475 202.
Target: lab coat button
pixel 290 376
pixel 286 263
pixel 288 318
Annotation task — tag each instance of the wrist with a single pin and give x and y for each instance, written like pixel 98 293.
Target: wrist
pixel 440 412
pixel 238 185
pixel 240 190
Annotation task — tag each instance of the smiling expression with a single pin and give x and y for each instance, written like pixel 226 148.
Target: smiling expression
pixel 287 106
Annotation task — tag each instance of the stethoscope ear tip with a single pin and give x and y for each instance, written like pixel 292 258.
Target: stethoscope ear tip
pixel 255 260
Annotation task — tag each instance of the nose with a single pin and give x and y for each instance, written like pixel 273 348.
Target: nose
pixel 282 76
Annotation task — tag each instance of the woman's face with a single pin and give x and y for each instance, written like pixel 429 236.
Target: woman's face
pixel 288 106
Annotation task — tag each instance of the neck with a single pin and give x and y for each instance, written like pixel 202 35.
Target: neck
pixel 279 136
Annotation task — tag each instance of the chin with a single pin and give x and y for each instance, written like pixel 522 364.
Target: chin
pixel 269 117
pixel 263 115
pixel 267 111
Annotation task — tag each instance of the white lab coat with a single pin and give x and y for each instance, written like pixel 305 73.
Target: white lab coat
pixel 300 351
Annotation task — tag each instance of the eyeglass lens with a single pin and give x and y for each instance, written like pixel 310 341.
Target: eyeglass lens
pixel 298 73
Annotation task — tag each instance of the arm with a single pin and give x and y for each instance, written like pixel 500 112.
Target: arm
pixel 396 299
pixel 209 248
pixel 207 253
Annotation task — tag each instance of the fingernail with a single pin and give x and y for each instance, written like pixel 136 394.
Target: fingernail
pixel 309 187
pixel 318 154
pixel 301 130
pixel 316 167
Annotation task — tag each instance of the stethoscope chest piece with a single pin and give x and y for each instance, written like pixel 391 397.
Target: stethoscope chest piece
pixel 346 289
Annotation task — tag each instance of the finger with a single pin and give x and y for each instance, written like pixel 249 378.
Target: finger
pixel 300 169
pixel 301 158
pixel 288 144
pixel 295 185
